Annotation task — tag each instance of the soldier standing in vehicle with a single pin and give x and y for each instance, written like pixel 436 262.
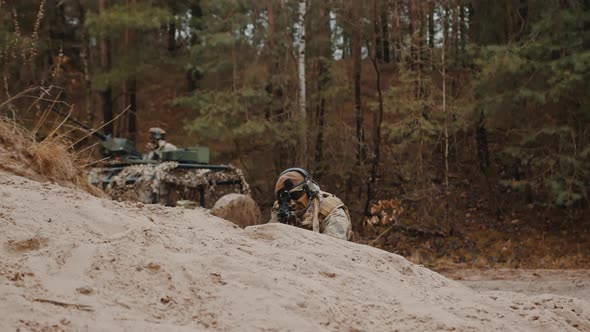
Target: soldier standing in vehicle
pixel 158 145
pixel 300 202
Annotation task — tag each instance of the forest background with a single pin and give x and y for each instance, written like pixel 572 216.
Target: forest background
pixel 456 131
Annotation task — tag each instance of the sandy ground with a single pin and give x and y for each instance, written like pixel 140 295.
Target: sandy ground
pixel 73 262
pixel 574 283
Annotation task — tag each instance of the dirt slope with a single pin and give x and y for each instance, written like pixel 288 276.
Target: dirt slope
pixel 70 261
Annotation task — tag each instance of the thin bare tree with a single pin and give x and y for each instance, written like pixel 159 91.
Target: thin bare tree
pixel 356 56
pixel 106 94
pixel 131 82
pixel 85 57
pixel 301 73
pixel 377 122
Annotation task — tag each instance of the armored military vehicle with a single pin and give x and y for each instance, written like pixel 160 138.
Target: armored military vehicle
pixel 182 177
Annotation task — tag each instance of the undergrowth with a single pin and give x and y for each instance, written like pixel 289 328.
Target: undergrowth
pixel 50 158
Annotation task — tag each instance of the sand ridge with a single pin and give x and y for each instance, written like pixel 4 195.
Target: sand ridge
pixel 70 261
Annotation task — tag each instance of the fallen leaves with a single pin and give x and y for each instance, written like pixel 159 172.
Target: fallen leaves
pixel 385 212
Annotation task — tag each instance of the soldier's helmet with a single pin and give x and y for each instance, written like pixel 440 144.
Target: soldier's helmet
pixel 157 134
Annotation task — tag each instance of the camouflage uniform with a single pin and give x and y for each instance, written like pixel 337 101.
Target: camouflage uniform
pixel 333 217
pixel 157 153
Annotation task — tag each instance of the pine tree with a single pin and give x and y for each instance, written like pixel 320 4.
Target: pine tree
pixel 537 91
pixel 122 24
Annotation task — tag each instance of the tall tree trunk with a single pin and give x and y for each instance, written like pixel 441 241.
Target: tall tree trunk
pixel 413 38
pixel 397 32
pixel 193 75
pixel 446 126
pixel 347 29
pixel 455 34
pixel 84 56
pixel 106 94
pixel 422 37
pixel 346 44
pixel 271 19
pixel 377 38
pixel 510 14
pixel 463 32
pixel 483 154
pixel 319 147
pixel 472 32
pixel 356 59
pixel 56 22
pixel 481 137
pixel 301 70
pixel 446 23
pixel 131 83
pixel 275 111
pixel 319 143
pixel 377 121
pixel 431 32
pixel 273 60
pixel 324 55
pixel 454 44
pixel 431 25
pixel 523 14
pixel 416 41
pixel 446 117
pixel 385 32
pixel 171 37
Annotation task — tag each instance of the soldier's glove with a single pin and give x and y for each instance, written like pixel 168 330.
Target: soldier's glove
pixel 150 146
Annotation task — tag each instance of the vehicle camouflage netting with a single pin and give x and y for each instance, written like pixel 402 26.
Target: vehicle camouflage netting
pixel 168 184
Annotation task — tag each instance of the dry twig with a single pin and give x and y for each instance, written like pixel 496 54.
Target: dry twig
pixel 83 307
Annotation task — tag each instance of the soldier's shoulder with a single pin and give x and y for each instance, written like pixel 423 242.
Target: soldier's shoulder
pixel 329 203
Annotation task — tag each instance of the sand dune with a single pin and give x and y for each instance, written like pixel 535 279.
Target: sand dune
pixel 73 262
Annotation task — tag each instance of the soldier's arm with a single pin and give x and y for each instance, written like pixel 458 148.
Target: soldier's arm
pixel 170 147
pixel 337 224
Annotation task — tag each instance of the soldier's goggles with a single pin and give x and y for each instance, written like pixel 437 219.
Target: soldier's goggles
pixel 294 195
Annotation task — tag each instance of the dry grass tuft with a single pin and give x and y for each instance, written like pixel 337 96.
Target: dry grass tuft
pixel 50 159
